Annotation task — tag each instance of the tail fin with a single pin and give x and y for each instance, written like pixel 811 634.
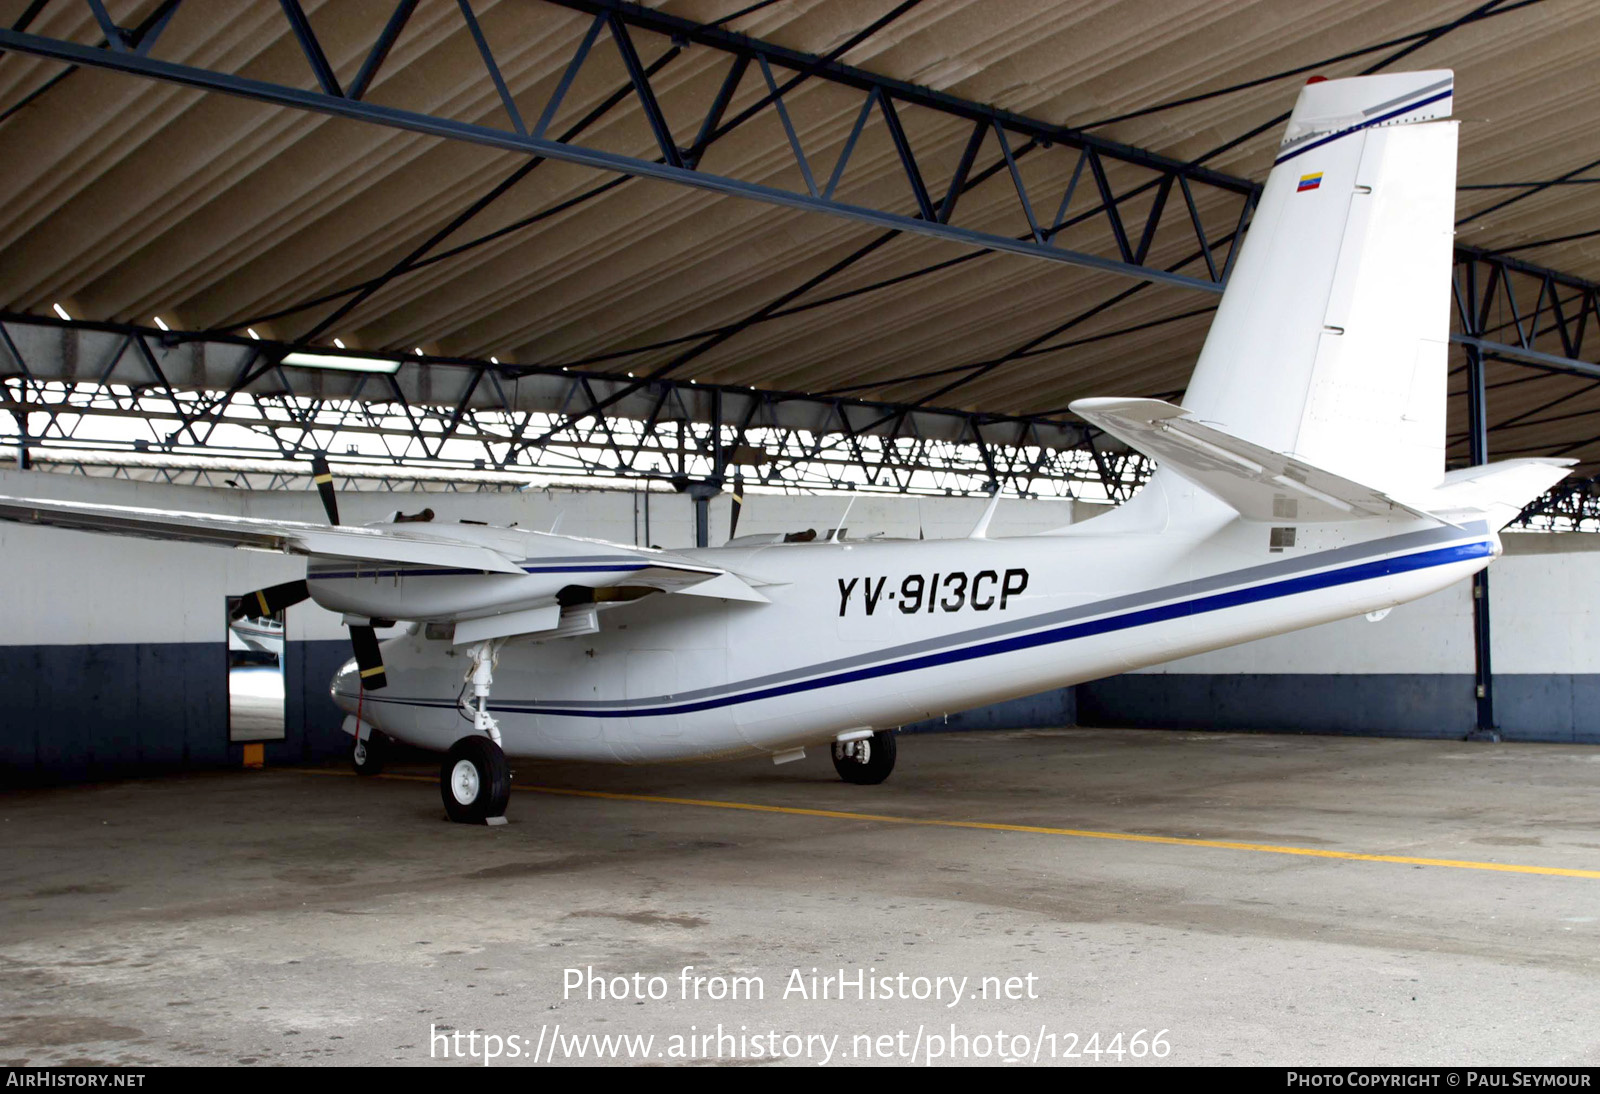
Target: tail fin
pixel 1330 343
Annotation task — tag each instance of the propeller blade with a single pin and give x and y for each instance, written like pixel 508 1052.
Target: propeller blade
pixel 269 601
pixel 369 658
pixel 738 504
pixel 323 477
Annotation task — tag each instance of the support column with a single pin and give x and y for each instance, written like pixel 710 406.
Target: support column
pixel 1483 674
pixel 702 493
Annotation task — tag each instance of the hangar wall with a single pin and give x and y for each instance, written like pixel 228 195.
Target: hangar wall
pixel 1410 674
pixel 111 648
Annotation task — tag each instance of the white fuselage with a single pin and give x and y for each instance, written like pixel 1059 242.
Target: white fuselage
pixel 852 638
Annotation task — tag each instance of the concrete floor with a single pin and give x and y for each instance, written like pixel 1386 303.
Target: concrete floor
pixel 295 917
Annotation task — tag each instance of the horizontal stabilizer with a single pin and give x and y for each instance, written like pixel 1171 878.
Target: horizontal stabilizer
pixel 1259 483
pixel 1496 492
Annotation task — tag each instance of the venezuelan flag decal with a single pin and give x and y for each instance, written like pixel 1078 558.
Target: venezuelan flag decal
pixel 1309 182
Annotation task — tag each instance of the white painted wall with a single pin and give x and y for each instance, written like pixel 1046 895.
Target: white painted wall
pixel 1544 597
pixel 1544 602
pixel 899 517
pixel 60 587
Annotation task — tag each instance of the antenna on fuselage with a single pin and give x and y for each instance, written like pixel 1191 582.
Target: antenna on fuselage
pixel 981 529
pixel 833 537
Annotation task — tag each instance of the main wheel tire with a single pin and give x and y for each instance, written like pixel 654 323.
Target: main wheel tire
pixel 369 756
pixel 866 762
pixel 475 781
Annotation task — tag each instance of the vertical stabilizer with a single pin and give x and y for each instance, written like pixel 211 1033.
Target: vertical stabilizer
pixel 1330 343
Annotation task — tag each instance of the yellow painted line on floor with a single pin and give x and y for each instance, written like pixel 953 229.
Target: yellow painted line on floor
pixel 1038 830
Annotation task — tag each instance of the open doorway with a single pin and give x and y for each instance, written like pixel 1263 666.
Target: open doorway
pixel 255 676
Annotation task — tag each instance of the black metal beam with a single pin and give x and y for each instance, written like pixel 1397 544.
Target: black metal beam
pixel 1483 668
pixel 891 95
pixel 902 91
pixel 444 412
pixel 1542 328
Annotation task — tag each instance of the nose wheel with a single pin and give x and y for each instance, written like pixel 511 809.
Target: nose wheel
pixel 369 754
pixel 866 762
pixel 475 782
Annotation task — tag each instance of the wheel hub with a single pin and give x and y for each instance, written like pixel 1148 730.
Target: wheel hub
pixel 859 752
pixel 464 782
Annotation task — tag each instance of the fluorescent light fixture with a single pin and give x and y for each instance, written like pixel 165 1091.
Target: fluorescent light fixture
pixel 251 331
pixel 494 360
pixel 418 350
pixel 160 324
pixel 341 364
pixel 339 342
pixel 62 312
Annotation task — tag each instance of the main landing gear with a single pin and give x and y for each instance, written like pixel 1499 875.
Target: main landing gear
pixel 865 761
pixel 475 780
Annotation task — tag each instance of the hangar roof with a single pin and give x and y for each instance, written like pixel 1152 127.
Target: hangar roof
pixel 126 199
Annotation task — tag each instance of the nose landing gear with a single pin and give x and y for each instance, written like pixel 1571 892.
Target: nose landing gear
pixel 369 754
pixel 370 749
pixel 866 761
pixel 475 780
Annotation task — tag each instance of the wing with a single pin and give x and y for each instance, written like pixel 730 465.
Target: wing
pixel 290 536
pixel 547 563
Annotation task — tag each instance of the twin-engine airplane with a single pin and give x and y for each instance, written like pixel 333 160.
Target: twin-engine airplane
pixel 1301 481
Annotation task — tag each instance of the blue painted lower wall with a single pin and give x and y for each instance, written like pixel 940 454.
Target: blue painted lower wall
pixel 93 712
pixel 72 713
pixel 1549 708
pixel 1554 707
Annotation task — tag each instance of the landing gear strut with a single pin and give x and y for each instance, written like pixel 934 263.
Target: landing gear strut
pixel 866 761
pixel 481 675
pixel 475 780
